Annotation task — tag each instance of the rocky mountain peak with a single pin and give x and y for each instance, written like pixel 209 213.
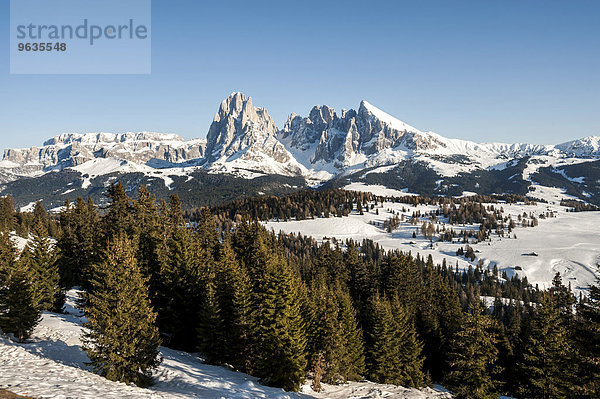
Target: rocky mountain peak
pixel 244 136
pixel 237 126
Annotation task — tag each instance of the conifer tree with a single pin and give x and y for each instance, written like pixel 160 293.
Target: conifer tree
pixel 206 231
pixel 19 313
pixel 326 333
pixel 439 317
pixel 149 237
pixel 382 345
pixel 121 339
pixel 181 289
pixel 360 283
pixel 119 218
pixel 411 370
pixel 588 342
pixel 565 300
pixel 394 352
pixel 278 326
pixel 42 259
pixel 78 243
pixel 353 360
pixel 234 298
pixel 211 339
pixel 401 278
pixel 546 353
pixel 7 214
pixel 473 355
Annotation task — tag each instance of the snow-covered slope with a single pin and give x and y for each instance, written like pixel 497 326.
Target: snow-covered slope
pixel 568 243
pixel 53 366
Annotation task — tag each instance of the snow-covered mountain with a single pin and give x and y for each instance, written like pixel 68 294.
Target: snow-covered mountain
pixel 244 137
pixel 244 141
pixel 72 149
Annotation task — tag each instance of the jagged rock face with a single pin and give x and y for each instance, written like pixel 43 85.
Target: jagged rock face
pixel 243 138
pixel 71 149
pixel 346 139
pixel 245 131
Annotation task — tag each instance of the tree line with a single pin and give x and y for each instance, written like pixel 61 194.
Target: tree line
pixel 284 307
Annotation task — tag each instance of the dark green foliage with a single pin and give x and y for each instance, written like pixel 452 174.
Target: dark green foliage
pixel 278 306
pixel 352 363
pixel 335 336
pixel 42 259
pixel 547 355
pixel 19 312
pixel 122 340
pixel 473 356
pixel 394 352
pixel 588 190
pixel 235 304
pixel 201 189
pixel 587 340
pixel 565 300
pixel 278 327
pixel 300 205
pixel 211 341
pixel 79 243
pixel 438 318
pixel 7 214
pixel 150 234
pixel 119 218
pixel 180 294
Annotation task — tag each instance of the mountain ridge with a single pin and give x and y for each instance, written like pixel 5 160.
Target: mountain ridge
pixel 244 141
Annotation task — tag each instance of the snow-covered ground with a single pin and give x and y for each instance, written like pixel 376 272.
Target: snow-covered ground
pixel 52 365
pixel 377 189
pixel 568 243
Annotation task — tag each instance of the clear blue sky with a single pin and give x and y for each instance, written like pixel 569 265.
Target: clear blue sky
pixel 479 70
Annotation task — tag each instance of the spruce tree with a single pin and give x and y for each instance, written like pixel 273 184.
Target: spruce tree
pixel 206 231
pixel 149 231
pixel 411 370
pixel 42 258
pixel 234 298
pixel 382 345
pixel 393 350
pixel 19 312
pixel 78 243
pixel 588 342
pixel 211 339
pixel 121 339
pixel 119 218
pixel 565 300
pixel 277 321
pixel 353 360
pixel 439 317
pixel 326 333
pixel 546 354
pixel 473 356
pixel 181 289
pixel 7 214
pixel 360 282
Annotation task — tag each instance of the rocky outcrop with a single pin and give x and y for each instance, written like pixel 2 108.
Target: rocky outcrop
pixel 72 149
pixel 344 140
pixel 245 137
pixel 244 140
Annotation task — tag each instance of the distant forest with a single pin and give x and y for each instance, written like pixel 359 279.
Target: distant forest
pixel 284 307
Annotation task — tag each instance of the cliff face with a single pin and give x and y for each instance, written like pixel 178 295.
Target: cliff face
pixel 72 149
pixel 244 140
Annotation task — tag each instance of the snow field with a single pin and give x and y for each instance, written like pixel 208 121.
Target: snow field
pixel 568 243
